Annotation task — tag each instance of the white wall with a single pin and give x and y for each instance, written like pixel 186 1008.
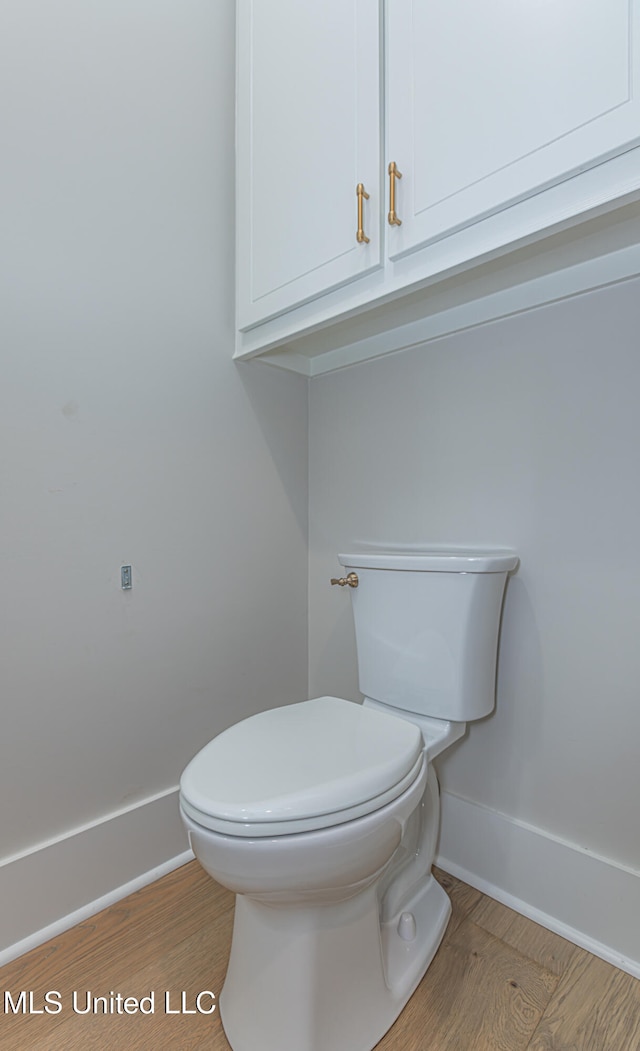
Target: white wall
pixel 129 436
pixel 523 433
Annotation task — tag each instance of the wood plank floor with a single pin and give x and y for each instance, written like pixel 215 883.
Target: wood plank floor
pixel 498 982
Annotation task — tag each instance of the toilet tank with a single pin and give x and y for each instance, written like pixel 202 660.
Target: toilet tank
pixel 427 627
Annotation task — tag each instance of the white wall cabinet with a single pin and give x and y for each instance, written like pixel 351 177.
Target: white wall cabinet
pixel 489 103
pixel 508 121
pixel 308 134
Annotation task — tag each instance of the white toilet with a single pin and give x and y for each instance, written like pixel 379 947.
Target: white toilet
pixel 323 816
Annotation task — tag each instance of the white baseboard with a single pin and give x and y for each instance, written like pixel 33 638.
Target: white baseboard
pixel 57 884
pixel 589 900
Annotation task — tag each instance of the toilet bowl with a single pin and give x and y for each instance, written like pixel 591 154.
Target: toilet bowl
pixel 367 790
pixel 322 817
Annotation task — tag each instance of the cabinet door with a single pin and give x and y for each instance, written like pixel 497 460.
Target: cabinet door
pixel 491 102
pixel 308 131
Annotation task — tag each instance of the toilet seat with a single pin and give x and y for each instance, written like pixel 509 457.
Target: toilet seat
pixel 301 767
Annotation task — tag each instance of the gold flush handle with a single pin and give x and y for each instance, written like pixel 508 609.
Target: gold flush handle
pixel 393 175
pixel 351 580
pixel 361 194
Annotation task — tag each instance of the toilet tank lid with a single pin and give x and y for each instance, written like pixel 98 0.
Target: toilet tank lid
pixel 434 560
pixel 318 757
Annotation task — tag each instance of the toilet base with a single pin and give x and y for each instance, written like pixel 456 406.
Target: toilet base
pixel 407 961
pixel 326 977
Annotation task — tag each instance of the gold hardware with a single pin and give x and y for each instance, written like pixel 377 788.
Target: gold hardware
pixel 351 580
pixel 361 238
pixel 393 175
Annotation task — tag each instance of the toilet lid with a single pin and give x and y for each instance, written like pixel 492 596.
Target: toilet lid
pixel 302 766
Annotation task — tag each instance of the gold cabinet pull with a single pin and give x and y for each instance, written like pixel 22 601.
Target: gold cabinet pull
pixel 361 193
pixel 351 580
pixel 393 175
